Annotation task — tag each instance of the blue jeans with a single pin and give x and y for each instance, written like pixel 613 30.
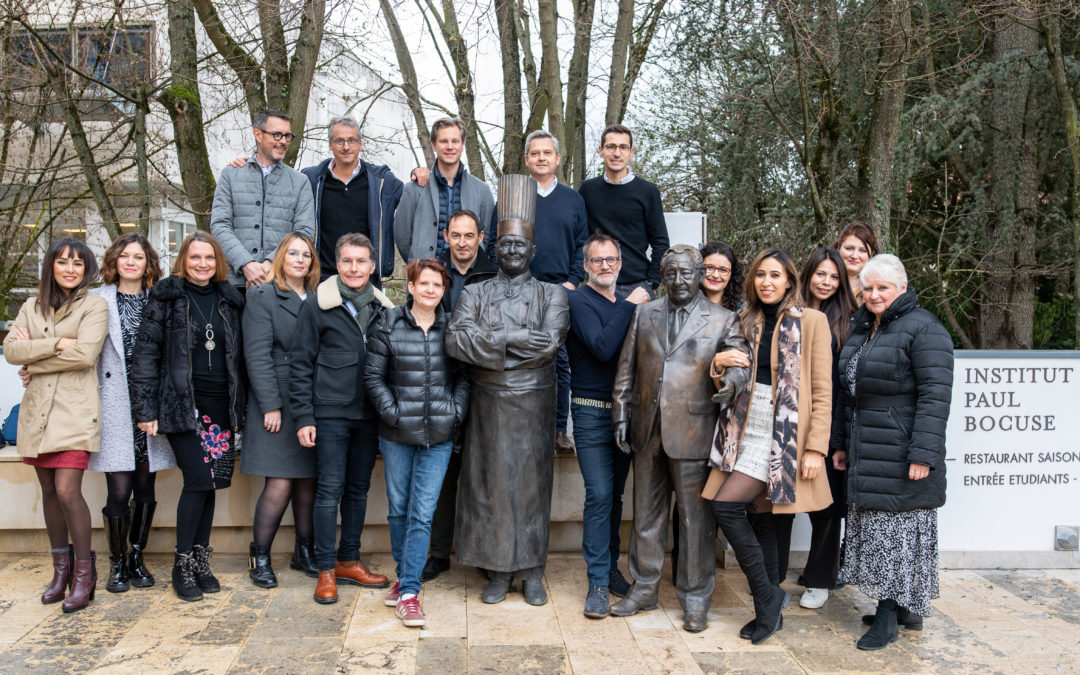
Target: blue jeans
pixel 414 478
pixel 346 451
pixel 604 468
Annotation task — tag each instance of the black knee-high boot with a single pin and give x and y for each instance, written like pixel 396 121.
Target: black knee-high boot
pixel 768 598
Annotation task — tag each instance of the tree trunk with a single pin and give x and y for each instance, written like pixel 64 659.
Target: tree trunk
pixel 463 90
pixel 184 103
pixel 242 63
pixel 550 72
pixel 302 69
pixel 619 50
pixel 139 136
pixel 873 194
pixel 1006 313
pixel 1071 120
pixel 513 118
pixel 577 79
pixel 409 82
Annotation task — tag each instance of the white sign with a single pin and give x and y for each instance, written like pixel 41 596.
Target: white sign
pixel 686 228
pixel 1013 451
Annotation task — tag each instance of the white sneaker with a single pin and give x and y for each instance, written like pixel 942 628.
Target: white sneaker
pixel 813 598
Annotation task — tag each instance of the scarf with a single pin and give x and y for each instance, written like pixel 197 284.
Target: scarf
pixel 361 300
pixel 783 456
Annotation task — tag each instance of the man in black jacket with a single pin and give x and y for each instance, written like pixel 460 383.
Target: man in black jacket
pixel 327 398
pixel 467 266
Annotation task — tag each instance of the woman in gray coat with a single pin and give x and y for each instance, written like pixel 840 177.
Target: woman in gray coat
pixel 128 457
pixel 271 448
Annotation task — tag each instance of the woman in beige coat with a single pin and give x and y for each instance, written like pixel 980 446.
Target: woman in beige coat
pixel 58 336
pixel 770 444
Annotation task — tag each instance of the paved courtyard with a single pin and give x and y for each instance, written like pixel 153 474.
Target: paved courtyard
pixel 986 621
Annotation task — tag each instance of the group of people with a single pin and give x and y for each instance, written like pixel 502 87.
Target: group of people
pixel 749 392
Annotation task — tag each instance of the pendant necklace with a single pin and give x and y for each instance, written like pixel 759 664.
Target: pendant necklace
pixel 209 345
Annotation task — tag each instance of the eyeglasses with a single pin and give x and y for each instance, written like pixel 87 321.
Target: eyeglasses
pixel 342 142
pixel 600 262
pixel 714 269
pixel 611 147
pixel 286 136
pixel 303 255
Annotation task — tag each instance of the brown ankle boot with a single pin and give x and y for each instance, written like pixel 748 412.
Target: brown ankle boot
pixel 326 588
pixel 352 572
pixel 82 588
pixel 62 564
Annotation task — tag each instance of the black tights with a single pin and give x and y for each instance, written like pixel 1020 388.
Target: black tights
pixel 739 489
pixel 122 485
pixel 65 510
pixel 194 517
pixel 275 498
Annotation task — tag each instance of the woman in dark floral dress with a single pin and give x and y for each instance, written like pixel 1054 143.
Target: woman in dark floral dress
pixel 187 382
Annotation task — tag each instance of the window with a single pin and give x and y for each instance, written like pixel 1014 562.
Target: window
pixel 113 59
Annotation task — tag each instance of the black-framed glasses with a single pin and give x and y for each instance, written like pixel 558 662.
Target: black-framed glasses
pixel 610 261
pixel 286 136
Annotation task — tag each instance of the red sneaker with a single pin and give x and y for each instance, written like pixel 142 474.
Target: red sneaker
pixel 408 610
pixel 392 596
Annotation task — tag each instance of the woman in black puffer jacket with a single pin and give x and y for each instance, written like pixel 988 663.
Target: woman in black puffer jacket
pixel 896 373
pixel 421 395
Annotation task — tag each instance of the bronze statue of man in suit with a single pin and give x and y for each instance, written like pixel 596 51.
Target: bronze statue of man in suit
pixel 664 412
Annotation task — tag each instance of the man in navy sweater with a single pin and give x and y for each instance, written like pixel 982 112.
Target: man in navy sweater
pixel 560 233
pixel 599 319
pixel 628 209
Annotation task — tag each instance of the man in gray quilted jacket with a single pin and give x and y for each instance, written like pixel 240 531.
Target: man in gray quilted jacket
pixel 257 204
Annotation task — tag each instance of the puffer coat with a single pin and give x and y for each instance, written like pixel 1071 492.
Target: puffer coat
pixel 60 408
pixel 420 393
pixel 160 380
pixel 903 390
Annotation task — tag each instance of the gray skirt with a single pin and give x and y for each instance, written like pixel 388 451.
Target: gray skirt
pixel 756 444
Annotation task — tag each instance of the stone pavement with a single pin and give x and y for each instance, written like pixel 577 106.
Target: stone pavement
pixel 985 621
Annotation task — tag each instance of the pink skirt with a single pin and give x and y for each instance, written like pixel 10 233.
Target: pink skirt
pixel 65 459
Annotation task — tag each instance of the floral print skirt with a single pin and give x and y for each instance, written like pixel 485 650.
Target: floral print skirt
pixel 893 556
pixel 206 456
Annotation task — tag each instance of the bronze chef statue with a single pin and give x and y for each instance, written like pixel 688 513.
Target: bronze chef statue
pixel 507 330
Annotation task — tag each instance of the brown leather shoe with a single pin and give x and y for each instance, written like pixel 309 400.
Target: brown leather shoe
pixel 352 572
pixel 564 444
pixel 326 588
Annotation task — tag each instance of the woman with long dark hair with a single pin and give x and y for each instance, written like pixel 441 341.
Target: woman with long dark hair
pixel 771 443
pixel 187 382
pixel 271 448
pixel 723 279
pixel 58 336
pixel 129 459
pixel 856 244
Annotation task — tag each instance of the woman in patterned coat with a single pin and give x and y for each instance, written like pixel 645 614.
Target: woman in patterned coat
pixel 129 459
pixel 770 445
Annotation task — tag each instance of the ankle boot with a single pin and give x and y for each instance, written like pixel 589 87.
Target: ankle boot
pixel 63 564
pixel 303 557
pixel 142 515
pixel 259 569
pixel 208 583
pixel 768 598
pixel 116 529
pixel 84 582
pixel 884 629
pixel 183 577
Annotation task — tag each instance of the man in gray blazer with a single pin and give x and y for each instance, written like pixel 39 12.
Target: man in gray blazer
pixel 664 412
pixel 423 212
pixel 257 204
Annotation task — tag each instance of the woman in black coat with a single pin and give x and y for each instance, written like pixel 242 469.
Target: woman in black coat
pixel 187 382
pixel 421 396
pixel 896 373
pixel 271 448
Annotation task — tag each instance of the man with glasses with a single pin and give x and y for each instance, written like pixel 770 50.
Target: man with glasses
pixel 599 319
pixel 628 209
pixel 352 195
pixel 256 204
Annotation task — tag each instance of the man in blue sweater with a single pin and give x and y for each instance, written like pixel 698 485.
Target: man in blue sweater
pixel 561 230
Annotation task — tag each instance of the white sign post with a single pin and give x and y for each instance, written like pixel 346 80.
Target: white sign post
pixel 1013 459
